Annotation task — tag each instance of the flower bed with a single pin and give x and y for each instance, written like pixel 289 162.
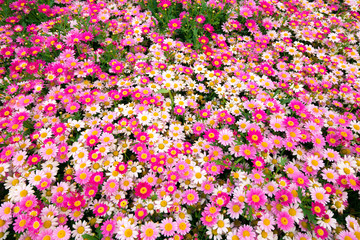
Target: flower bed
pixel 179 120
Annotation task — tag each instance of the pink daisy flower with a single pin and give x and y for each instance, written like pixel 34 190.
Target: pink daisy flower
pixel 108 227
pixel 34 159
pixel 248 152
pixel 34 225
pixel 45 234
pixel 207 187
pixel 58 129
pixel 254 136
pixel 21 223
pixel 111 186
pixel 141 213
pixel 246 232
pixel 285 221
pixel 235 209
pixel 149 231
pixel 121 168
pixel 143 190
pixel 190 197
pixel 44 184
pixel 318 209
pixel 267 222
pixel 48 151
pixel 284 197
pixel 344 235
pixel 321 232
pixel 256 197
pixel 61 233
pixel 82 176
pixel 208 220
pixel 226 137
pixel 300 180
pixel 183 226
pixel 6 210
pixel 198 128
pixel 174 24
pixel 168 227
pixel 28 203
pixel 100 209
pixel 319 195
pixel 72 107
pixel 211 135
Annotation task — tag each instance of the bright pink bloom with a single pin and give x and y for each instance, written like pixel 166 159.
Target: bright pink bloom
pixel 284 221
pixel 190 197
pixel 141 213
pixel 108 227
pixel 174 24
pixel 211 135
pixel 143 190
pixel 254 136
pixel 284 197
pixel 100 209
pixel 321 232
pixel 256 197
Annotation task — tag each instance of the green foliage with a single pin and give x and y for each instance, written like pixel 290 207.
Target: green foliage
pixel 190 29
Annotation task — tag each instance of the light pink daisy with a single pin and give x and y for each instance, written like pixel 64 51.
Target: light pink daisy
pixel 267 222
pixel 226 137
pixel 168 227
pixel 82 176
pixel 48 152
pixel 330 175
pixel 108 227
pixel 149 231
pixel 247 151
pixel 62 233
pixel 183 226
pixel 246 232
pixel 111 186
pixel 319 195
pixel 6 210
pixel 235 208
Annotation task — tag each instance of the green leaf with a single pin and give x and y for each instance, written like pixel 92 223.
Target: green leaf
pixel 299 193
pixel 98 231
pixel 89 237
pixel 163 90
pixel 309 215
pixel 282 161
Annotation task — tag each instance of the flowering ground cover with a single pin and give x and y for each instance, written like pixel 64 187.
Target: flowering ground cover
pixel 179 120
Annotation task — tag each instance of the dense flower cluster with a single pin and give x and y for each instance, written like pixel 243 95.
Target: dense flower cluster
pixel 111 129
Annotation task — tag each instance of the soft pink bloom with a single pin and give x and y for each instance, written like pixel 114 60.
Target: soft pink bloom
pixel 149 231
pixel 168 227
pixel 246 232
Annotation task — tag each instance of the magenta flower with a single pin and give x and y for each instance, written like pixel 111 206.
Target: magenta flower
pixel 256 197
pixel 211 135
pixel 285 221
pixel 321 232
pixel 174 24
pixel 178 110
pixel 143 190
pixel 200 19
pixel 254 136
pixel 247 151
